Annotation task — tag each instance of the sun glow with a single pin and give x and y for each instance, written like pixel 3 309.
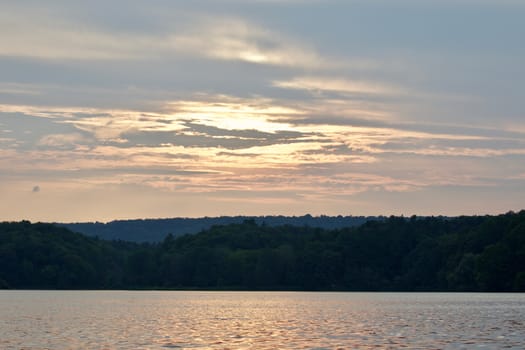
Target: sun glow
pixel 258 116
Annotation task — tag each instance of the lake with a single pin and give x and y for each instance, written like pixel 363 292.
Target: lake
pixel 259 320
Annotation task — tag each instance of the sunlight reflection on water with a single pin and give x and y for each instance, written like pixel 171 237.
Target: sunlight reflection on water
pixel 259 320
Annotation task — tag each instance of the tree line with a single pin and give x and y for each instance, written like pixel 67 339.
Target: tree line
pixel 469 253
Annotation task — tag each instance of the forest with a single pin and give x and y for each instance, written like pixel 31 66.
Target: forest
pixel 467 253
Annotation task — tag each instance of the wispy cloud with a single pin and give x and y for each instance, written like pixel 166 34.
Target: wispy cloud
pixel 344 86
pixel 228 142
pixel 234 39
pixel 18 89
pixel 41 35
pixel 62 140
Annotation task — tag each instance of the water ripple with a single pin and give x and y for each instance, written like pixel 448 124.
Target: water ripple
pixel 257 320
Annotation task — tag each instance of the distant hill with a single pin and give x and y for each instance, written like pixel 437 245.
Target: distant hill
pixel 155 230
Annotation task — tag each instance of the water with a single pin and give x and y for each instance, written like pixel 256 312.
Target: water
pixel 259 320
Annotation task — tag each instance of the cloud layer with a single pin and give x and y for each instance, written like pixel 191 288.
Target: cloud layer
pixel 160 109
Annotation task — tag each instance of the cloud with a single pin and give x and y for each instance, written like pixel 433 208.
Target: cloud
pixel 18 89
pixel 40 34
pixel 230 113
pixel 272 133
pixel 43 35
pixel 319 163
pixel 344 86
pixel 234 39
pixel 63 140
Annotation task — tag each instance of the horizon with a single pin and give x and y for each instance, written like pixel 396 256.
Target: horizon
pixel 213 108
pixel 265 216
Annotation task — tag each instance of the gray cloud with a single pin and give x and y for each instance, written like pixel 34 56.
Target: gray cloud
pixel 200 135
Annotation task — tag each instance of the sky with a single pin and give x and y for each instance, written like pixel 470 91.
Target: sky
pixel 143 109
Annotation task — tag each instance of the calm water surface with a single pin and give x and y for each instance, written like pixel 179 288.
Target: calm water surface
pixel 259 320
